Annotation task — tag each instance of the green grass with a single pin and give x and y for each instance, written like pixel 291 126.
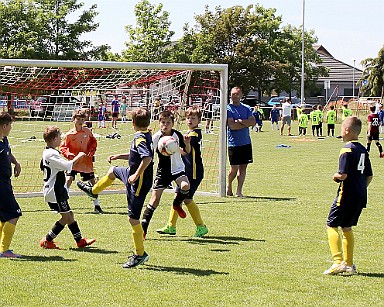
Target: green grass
pixel 268 249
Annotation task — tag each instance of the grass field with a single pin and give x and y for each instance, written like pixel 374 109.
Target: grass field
pixel 268 249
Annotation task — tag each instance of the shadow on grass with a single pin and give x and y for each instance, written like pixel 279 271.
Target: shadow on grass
pixel 45 258
pixel 247 198
pixel 226 240
pixel 93 250
pixel 183 270
pixel 380 275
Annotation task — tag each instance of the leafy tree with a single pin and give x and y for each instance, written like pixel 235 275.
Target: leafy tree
pixel 150 40
pixel 39 29
pixel 374 75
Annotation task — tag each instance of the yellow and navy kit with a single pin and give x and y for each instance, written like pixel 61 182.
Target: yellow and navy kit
pixel 193 161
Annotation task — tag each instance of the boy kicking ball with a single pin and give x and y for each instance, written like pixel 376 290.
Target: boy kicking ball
pixel 353 176
pixel 55 191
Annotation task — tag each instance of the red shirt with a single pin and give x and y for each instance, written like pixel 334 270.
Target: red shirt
pixel 374 119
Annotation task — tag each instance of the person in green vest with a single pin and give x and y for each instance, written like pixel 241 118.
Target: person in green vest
pixel 314 116
pixel 331 120
pixel 303 124
pixel 345 112
pixel 320 115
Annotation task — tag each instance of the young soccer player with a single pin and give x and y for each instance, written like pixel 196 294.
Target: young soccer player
pixel 258 118
pixel 80 139
pixel 137 179
pixel 115 105
pixel 169 169
pixel 331 120
pixel 303 124
pixel 314 121
pixel 320 115
pixel 354 175
pixel 195 172
pixel 346 112
pixel 55 189
pixel 101 115
pixel 373 130
pixel 9 208
pixel 274 116
pixel 381 117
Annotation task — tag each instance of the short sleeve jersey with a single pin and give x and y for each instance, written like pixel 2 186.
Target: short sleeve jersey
pixel 115 106
pixel 5 161
pixel 169 165
pixel 314 118
pixel 275 114
pixel 141 147
pixel 303 120
pixel 345 113
pixel 374 119
pixel 54 166
pixel 193 161
pixel 238 137
pixel 331 117
pixel 354 161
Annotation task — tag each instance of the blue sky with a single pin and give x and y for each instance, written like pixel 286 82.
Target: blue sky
pixel 349 29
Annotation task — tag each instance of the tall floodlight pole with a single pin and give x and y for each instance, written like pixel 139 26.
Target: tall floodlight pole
pixel 302 58
pixel 353 79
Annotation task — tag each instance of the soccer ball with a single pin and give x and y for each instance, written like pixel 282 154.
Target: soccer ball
pixel 167 146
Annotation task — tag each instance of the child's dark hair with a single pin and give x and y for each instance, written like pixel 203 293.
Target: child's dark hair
pixel 5 118
pixel 50 133
pixel 314 107
pixel 194 110
pixel 81 113
pixel 331 106
pixel 167 114
pixel 372 108
pixel 320 107
pixel 141 117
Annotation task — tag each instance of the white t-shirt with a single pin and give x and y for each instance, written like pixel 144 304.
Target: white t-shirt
pixel 286 109
pixel 53 165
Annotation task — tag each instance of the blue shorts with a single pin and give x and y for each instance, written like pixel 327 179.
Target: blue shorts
pixel 9 208
pixel 136 193
pixel 343 216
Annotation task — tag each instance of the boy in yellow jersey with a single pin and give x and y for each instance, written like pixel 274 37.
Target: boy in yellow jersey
pixel 346 112
pixel 314 121
pixel 320 115
pixel 195 172
pixel 303 124
pixel 9 208
pixel 137 179
pixel 353 176
pixel 331 120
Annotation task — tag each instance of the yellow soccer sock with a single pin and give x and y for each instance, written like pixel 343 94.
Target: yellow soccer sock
pixel 6 236
pixel 138 239
pixel 1 227
pixel 103 183
pixel 195 213
pixel 348 246
pixel 334 241
pixel 173 216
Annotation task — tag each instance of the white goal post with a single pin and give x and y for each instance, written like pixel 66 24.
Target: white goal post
pixel 9 76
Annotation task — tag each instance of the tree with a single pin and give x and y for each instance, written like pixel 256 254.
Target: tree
pixel 150 40
pixel 373 75
pixel 39 29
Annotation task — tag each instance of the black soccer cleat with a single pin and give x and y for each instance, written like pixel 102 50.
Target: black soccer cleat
pixel 135 260
pixel 86 189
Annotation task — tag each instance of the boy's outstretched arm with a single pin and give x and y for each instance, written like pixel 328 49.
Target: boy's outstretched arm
pixel 140 170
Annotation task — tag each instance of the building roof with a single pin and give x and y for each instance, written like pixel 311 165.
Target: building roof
pixel 338 70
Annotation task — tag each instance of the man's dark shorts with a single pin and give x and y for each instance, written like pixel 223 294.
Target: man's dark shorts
pixel 239 155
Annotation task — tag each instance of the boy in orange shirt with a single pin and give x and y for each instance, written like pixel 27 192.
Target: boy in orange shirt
pixel 80 139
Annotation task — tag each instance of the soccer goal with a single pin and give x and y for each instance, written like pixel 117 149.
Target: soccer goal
pixel 40 93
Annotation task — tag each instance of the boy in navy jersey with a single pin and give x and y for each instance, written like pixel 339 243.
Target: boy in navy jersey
pixel 353 176
pixel 169 168
pixel 195 172
pixel 9 208
pixel 55 189
pixel 137 179
pixel 373 130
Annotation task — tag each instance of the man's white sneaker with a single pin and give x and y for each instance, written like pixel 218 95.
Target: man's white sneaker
pixel 336 268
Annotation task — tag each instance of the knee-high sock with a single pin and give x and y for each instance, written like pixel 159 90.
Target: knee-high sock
pixel 173 217
pixel 379 147
pixel 75 230
pixel 180 196
pixel 54 232
pixel 1 227
pixel 147 216
pixel 103 183
pixel 334 240
pixel 138 241
pixel 195 213
pixel 348 246
pixel 6 236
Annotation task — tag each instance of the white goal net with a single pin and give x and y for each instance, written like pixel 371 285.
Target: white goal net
pixel 41 93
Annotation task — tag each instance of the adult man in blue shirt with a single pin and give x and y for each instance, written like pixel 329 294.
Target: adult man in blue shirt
pixel 239 119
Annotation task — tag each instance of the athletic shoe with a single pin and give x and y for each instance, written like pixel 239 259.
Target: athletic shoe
pixel 180 211
pixel 336 268
pixel 9 254
pixel 167 230
pixel 201 231
pixel 87 189
pixel 382 154
pixel 351 269
pixel 85 242
pixel 135 260
pixel 98 210
pixel 47 244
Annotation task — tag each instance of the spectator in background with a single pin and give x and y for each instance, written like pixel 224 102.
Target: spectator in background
pixel 286 114
pixel 115 105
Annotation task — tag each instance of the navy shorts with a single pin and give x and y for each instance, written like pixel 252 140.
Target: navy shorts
pixel 84 176
pixel 373 137
pixel 162 182
pixel 239 155
pixel 9 208
pixel 115 115
pixel 343 216
pixel 136 193
pixel 61 207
